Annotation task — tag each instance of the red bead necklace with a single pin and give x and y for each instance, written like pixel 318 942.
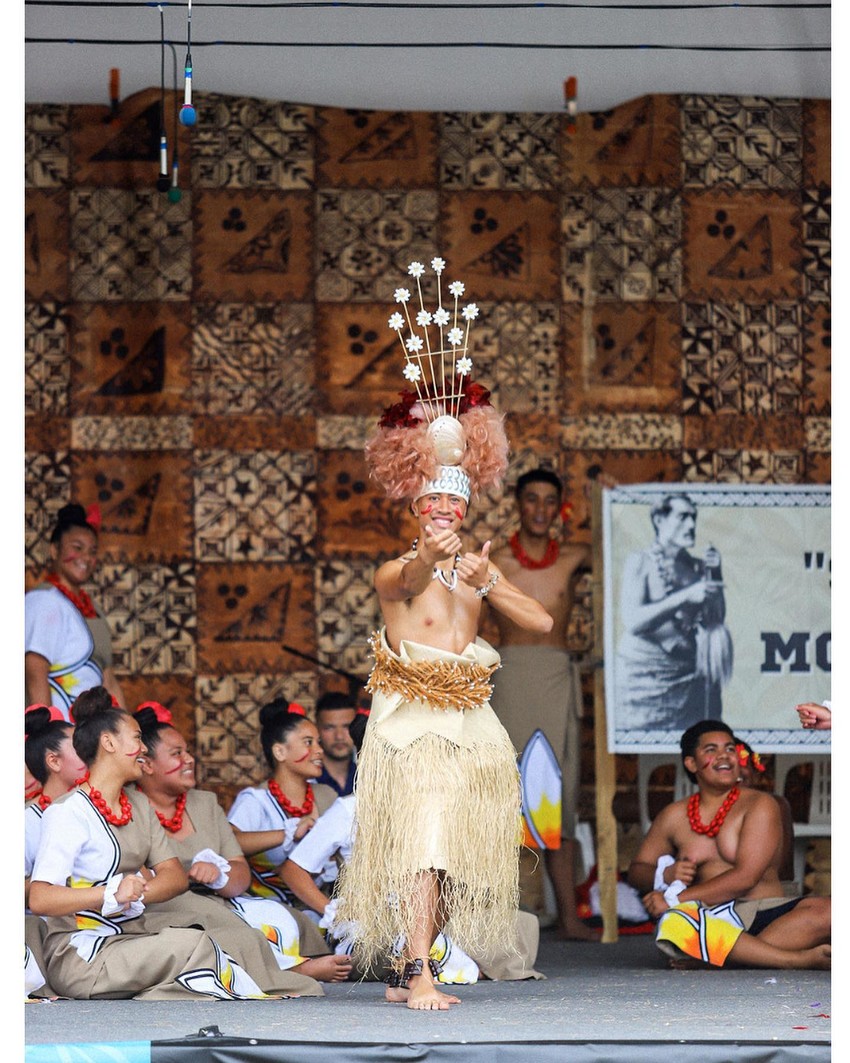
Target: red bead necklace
pixel 80 600
pixel 550 556
pixel 174 824
pixel 96 798
pixel 44 800
pixel 713 829
pixel 287 805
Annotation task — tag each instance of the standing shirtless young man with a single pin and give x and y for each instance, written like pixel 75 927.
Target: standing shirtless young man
pixel 710 868
pixel 437 822
pixel 538 685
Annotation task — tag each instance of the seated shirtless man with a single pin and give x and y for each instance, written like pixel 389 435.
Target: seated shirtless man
pixel 709 867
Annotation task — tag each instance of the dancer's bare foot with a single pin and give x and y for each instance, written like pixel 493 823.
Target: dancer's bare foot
pixel 331 968
pixel 575 930
pixel 424 996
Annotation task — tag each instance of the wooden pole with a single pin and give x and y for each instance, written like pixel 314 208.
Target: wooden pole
pixel 606 780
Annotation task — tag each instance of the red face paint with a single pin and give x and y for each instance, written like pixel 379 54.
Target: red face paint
pixel 307 754
pixel 458 514
pixel 426 509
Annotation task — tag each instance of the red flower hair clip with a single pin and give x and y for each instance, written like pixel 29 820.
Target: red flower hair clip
pixel 744 756
pixel 362 712
pixel 93 516
pixel 566 512
pixel 297 709
pixel 162 714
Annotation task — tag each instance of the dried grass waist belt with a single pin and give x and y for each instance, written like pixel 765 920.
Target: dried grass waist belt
pixel 443 685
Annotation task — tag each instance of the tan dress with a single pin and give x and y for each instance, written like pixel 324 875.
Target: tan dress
pixel 147 956
pixel 437 788
pixel 266 938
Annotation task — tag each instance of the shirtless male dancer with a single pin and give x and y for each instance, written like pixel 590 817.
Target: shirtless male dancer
pixel 722 849
pixel 538 685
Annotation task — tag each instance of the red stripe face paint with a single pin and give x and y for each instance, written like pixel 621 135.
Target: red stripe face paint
pixel 458 513
pixel 426 509
pixel 307 754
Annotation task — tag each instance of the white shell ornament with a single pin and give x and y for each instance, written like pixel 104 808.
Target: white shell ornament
pixel 447 438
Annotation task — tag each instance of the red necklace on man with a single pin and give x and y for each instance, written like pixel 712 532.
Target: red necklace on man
pixel 81 600
pixel 174 824
pixel 550 555
pixel 287 805
pixel 713 828
pixel 96 798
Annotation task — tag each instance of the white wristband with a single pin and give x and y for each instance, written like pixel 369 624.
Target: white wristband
pixel 209 856
pixel 671 894
pixel 111 907
pixel 664 862
pixel 482 592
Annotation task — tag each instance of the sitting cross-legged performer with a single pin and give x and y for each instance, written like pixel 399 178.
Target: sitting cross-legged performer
pixel 311 871
pixel 217 869
pixel 437 797
pixel 268 820
pixel 52 761
pixel 104 866
pixel 710 868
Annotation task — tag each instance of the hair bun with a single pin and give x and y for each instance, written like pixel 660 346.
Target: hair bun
pixel 160 712
pixel 38 718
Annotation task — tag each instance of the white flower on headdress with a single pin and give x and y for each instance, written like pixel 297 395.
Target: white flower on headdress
pixel 396 322
pixel 464 365
pixel 412 372
pixel 457 288
pixel 401 295
pixel 423 318
pixel 415 269
pixel 414 343
pixel 438 265
pixel 470 312
pixel 441 317
pixel 455 336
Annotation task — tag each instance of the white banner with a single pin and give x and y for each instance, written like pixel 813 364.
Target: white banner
pixel 717 606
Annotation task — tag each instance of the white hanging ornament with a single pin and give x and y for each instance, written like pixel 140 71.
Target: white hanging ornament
pixel 447 438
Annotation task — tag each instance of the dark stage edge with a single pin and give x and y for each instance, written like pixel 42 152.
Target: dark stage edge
pixel 615 1003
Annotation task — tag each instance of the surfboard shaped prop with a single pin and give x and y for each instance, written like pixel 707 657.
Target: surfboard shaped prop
pixel 540 775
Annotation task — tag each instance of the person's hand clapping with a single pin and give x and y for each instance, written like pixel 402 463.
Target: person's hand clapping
pixel 815 717
pixel 439 545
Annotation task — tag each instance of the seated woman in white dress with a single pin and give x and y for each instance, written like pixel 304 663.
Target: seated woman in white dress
pixel 218 871
pixel 92 880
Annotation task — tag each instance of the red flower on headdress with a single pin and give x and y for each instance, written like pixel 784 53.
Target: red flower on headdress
pixel 163 715
pixel 55 714
pixel 93 516
pixel 398 415
pixel 474 394
pixel 296 708
pixel 566 511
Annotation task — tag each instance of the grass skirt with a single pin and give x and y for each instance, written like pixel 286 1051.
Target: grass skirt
pixel 434 804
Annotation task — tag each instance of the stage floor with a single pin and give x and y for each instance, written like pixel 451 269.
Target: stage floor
pixel 607 1002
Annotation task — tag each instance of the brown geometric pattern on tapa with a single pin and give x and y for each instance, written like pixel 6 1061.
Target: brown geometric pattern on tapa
pixel 745 432
pixel 503 245
pixel 817 365
pixel 142 498
pixel 175 692
pixel 131 358
pixel 123 151
pixel 249 613
pixel 622 356
pixel 741 246
pixel 743 466
pixel 359 359
pixel 635 143
pixel 513 151
pixel 130 245
pixel 254 506
pixel 515 349
pixel 47 145
pixel 252 246
pixel 253 358
pixel 742 358
pixel 748 142
pixel 229 752
pixel 47 367
pixel 376 149
pixel 355 517
pixel 241 142
pixel 213 367
pixel 817 142
pixel 46 245
pixel 152 614
pixel 817 244
pixel 47 487
pixel 621 245
pixel 366 238
pixel 347 613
